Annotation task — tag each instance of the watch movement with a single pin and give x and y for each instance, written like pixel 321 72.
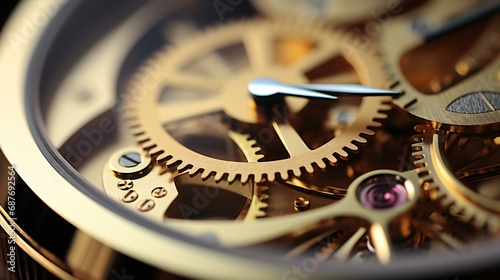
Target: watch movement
pixel 250 139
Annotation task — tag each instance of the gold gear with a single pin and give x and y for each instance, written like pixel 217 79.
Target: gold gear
pixel 147 117
pixel 444 186
pixel 382 225
pixel 476 79
pixel 257 205
pixel 152 183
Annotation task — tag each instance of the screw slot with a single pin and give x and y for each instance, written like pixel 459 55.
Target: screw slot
pixel 130 160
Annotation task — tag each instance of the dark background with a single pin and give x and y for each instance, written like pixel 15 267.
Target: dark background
pixel 6 8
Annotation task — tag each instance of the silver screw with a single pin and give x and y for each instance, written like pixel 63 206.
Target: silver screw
pixel 130 160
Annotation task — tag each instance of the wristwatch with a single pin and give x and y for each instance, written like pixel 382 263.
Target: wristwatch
pixel 234 139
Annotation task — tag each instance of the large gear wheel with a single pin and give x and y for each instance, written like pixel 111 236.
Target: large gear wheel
pixel 445 186
pixel 460 90
pixel 260 42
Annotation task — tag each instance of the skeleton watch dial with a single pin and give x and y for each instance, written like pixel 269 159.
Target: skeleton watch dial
pixel 247 139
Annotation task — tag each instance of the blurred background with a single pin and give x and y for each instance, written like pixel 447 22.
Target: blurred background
pixel 8 6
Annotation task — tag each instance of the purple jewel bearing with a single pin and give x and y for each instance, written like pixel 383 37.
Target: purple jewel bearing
pixel 383 193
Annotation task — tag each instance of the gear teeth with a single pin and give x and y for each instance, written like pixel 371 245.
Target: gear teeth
pixel 148 146
pixel 420 162
pixel 183 166
pixel 467 215
pixel 231 177
pixel 258 177
pixel 271 177
pixel 380 116
pixel 192 172
pixel 244 178
pixel 218 176
pixel 166 159
pixel 322 164
pixel 148 136
pixel 136 129
pixel 331 159
pixel 427 178
pixel 457 209
pixel 342 154
pixel 205 174
pixel 141 138
pixel 385 107
pixel 375 124
pixel 430 185
pixel 259 157
pixel 368 132
pixel 297 172
pixel 361 140
pixel 454 201
pixel 351 147
pixel 155 151
pixel 309 169
pixel 263 196
pixel 447 201
pixel 284 175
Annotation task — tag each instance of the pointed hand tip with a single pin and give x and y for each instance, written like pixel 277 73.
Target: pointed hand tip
pixel 330 97
pixel 393 93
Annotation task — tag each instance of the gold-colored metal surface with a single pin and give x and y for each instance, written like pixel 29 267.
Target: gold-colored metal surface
pixel 257 42
pixel 451 187
pixel 163 163
pixel 153 192
pixel 428 73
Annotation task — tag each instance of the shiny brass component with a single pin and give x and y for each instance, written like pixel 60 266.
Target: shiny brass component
pixel 159 192
pixel 129 196
pixel 146 205
pixel 301 204
pixel 485 48
pixel 153 193
pixel 154 187
pixel 125 185
pixel 230 95
pixel 447 188
pixel 133 169
pixel 324 190
pixel 396 41
pixel 350 206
